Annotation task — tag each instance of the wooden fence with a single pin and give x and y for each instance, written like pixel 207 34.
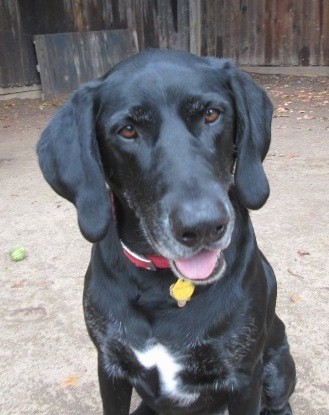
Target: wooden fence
pixel 266 32
pixel 251 32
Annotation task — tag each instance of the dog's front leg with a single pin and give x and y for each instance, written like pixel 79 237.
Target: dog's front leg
pixel 115 393
pixel 246 400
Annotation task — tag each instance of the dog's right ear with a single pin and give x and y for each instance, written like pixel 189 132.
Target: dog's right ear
pixel 70 162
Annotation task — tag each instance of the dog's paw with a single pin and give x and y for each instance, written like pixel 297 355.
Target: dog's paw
pixel 284 411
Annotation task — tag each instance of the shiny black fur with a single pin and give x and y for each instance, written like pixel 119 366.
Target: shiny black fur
pixel 231 346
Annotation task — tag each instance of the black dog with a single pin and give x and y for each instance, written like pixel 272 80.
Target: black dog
pixel 162 157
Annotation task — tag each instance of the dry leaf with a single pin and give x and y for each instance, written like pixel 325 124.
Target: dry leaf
pixel 282 109
pixel 291 155
pixel 39 311
pixel 69 382
pixel 301 252
pixel 44 105
pixel 294 273
pixel 19 284
pixel 294 298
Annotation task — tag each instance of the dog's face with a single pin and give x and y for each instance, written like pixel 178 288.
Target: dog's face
pixel 165 134
pixel 160 129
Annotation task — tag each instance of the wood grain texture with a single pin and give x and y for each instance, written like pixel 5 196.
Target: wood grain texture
pixel 17 56
pixel 324 32
pixel 67 60
pixel 251 32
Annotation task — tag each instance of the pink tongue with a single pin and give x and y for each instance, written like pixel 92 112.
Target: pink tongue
pixel 199 266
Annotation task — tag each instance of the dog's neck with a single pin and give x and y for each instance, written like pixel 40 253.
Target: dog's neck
pixel 139 252
pixel 129 229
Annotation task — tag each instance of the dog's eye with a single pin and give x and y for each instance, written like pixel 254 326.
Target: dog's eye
pixel 128 132
pixel 211 115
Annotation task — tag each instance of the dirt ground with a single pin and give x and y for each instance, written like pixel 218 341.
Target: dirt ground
pixel 48 363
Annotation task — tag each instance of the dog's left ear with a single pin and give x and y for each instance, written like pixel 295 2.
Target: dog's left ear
pixel 253 134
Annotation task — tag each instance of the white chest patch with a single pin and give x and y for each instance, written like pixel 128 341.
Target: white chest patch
pixel 168 369
pixel 159 357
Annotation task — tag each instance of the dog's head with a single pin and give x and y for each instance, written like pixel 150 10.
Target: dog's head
pixel 160 130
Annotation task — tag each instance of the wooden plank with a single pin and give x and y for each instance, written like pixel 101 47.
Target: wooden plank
pixel 204 28
pixel 251 33
pixel 297 27
pixel 276 26
pixel 67 60
pixel 210 29
pixel 255 32
pixel 183 23
pixel 284 31
pixel 259 52
pixel 219 29
pixel 313 20
pixel 227 29
pixel 324 33
pixel 244 32
pixel 251 30
pixel 309 49
pixel 136 21
pixel 17 56
pixel 166 24
pixel 195 26
pixel 234 29
pixel 150 18
pixel 278 32
pixel 268 54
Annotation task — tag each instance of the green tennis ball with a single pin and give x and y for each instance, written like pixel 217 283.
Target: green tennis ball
pixel 17 253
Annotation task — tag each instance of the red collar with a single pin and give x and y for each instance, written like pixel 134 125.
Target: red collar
pixel 149 262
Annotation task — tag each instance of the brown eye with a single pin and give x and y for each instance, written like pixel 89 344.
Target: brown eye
pixel 211 115
pixel 128 132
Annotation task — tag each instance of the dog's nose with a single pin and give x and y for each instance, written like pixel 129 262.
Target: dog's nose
pixel 193 224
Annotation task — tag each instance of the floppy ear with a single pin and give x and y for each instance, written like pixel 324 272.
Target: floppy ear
pixel 254 117
pixel 253 133
pixel 70 162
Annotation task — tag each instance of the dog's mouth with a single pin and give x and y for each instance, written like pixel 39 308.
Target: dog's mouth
pixel 200 267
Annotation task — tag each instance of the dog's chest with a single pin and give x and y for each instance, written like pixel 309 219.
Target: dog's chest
pixel 161 374
pixel 180 376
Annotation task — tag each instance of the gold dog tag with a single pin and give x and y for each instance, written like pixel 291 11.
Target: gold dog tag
pixel 182 292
